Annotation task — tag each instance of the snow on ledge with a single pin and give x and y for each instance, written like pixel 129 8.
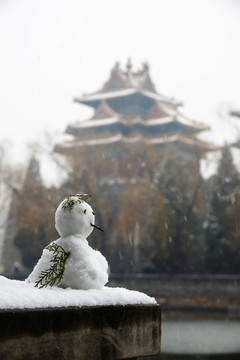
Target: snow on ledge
pixel 16 294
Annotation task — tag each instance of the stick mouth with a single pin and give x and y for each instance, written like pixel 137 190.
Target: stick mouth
pixel 97 227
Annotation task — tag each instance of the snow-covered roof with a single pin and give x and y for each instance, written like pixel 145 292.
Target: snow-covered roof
pixel 158 140
pixel 123 79
pixel 104 111
pixel 175 119
pixel 93 123
pixel 124 83
pixel 87 99
pixel 75 143
pixel 185 140
pixel 105 122
pixel 103 96
pixel 160 97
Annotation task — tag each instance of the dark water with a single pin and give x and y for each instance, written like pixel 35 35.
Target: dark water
pixel 194 357
pixel 201 337
pixel 205 339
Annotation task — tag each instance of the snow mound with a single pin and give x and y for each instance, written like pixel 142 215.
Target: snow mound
pixel 16 294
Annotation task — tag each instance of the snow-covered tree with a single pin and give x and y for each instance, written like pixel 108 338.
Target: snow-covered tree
pixel 223 223
pixel 140 227
pixel 32 211
pixel 184 208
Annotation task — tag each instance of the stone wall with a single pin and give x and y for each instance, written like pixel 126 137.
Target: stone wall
pixel 88 333
pixel 181 286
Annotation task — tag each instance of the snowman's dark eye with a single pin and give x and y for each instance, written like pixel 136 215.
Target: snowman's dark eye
pixel 85 211
pixel 94 213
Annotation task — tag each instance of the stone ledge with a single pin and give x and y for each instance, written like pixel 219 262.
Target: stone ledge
pixel 86 333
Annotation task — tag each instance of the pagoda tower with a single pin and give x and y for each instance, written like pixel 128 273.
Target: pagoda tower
pixel 128 109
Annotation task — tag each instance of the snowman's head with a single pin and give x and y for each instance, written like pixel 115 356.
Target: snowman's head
pixel 75 216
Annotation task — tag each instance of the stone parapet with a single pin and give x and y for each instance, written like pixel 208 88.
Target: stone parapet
pixel 86 333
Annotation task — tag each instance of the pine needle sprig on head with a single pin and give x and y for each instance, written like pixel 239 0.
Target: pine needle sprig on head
pixel 71 200
pixel 54 274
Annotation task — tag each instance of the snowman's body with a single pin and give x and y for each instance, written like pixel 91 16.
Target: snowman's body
pixel 85 268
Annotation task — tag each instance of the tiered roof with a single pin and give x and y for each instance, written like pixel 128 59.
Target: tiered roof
pixel 123 84
pixel 129 109
pixel 173 139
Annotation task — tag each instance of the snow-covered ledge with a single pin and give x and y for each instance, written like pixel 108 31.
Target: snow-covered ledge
pixel 55 323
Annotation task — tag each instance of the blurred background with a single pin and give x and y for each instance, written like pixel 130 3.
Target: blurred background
pixel 136 103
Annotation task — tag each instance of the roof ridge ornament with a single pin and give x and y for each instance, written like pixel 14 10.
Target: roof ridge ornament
pixel 129 65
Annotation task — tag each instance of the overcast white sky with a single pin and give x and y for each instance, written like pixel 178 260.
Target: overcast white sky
pixel 54 50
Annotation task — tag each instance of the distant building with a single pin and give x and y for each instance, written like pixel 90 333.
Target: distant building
pixel 235 113
pixel 128 109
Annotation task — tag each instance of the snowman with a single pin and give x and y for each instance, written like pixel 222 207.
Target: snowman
pixel 70 261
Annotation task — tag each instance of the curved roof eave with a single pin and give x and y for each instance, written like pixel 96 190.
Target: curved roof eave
pixel 161 98
pixel 88 99
pixel 146 123
pixel 105 95
pixel 175 138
